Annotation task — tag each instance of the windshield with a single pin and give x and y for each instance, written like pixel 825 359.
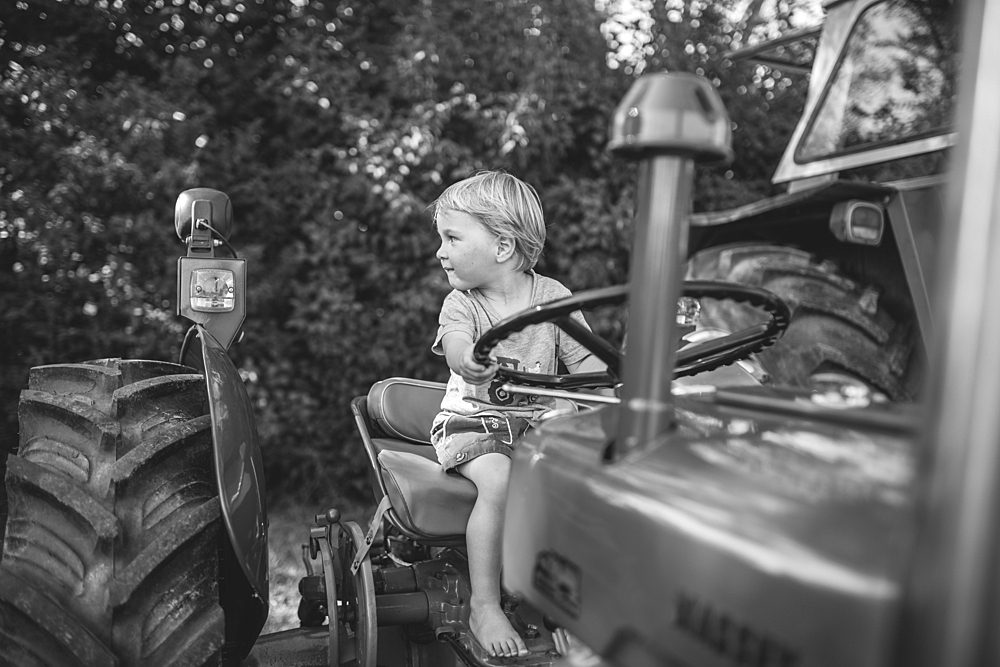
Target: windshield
pixel 894 83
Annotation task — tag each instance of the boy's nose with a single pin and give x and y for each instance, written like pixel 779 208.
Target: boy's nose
pixel 440 252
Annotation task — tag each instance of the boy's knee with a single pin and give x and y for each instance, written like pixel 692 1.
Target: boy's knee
pixel 495 486
pixel 490 473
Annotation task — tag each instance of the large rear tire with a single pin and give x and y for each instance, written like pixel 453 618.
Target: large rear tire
pixel 838 325
pixel 112 545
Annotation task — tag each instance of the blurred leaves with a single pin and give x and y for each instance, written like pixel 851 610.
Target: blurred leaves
pixel 332 126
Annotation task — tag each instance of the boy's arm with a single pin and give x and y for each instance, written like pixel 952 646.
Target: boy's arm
pixel 589 364
pixel 457 347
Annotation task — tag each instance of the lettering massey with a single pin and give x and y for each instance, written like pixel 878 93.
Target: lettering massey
pixel 729 637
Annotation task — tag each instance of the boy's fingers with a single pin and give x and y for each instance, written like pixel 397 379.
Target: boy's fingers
pixel 477 378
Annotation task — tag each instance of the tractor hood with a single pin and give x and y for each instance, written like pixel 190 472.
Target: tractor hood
pixel 741 537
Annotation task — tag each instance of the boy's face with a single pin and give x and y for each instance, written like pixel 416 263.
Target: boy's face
pixel 468 251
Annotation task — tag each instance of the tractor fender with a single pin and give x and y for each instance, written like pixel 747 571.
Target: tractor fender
pixel 238 470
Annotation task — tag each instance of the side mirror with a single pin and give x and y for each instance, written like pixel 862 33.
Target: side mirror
pixel 205 205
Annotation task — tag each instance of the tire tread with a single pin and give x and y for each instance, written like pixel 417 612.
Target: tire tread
pixel 837 322
pixel 111 553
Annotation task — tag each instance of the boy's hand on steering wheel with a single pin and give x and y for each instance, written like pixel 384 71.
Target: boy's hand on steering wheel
pixel 474 372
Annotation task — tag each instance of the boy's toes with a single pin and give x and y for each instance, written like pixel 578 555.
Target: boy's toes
pixel 508 648
pixel 495 634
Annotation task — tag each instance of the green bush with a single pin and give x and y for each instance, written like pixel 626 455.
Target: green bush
pixel 332 127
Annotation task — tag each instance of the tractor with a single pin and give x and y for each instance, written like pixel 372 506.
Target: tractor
pixel 774 482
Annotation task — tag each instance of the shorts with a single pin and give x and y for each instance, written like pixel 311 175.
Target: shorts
pixel 458 439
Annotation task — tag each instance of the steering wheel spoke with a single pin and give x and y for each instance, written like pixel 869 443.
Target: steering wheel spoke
pixel 601 348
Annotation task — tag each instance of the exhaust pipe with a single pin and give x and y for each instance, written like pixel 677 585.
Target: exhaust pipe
pixel 668 122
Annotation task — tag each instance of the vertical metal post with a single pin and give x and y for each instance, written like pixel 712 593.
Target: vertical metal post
pixel 951 601
pixel 663 203
pixel 668 122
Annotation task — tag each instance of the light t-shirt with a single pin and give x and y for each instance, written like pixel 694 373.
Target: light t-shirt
pixel 532 350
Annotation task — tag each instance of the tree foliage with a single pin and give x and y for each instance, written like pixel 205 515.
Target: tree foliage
pixel 332 126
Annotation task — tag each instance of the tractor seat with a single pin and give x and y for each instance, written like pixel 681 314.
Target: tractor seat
pixel 427 504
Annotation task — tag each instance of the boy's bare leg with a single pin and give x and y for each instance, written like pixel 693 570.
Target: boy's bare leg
pixel 490 473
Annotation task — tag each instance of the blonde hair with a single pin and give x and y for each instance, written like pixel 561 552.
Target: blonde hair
pixel 505 205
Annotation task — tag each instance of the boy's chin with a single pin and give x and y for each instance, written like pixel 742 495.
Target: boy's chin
pixel 457 283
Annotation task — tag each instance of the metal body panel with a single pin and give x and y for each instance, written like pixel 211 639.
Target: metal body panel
pixel 952 598
pixel 789 203
pixel 915 214
pixel 735 536
pixel 238 468
pixel 861 159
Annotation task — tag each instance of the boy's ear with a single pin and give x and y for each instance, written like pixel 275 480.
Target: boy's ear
pixel 505 249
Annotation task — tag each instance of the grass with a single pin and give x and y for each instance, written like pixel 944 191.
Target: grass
pixel 289 524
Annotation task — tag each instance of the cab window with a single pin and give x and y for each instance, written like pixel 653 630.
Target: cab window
pixel 895 81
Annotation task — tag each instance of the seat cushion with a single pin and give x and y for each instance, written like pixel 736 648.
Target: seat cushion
pixel 405 408
pixel 395 445
pixel 425 498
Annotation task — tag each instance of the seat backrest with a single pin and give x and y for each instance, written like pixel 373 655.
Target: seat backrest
pixel 405 408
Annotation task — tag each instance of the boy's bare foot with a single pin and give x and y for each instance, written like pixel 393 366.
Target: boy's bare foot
pixel 494 632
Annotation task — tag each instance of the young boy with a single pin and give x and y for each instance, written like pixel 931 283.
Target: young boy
pixel 492 232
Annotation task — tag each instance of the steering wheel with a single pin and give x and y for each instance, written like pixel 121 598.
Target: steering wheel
pixel 691 360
